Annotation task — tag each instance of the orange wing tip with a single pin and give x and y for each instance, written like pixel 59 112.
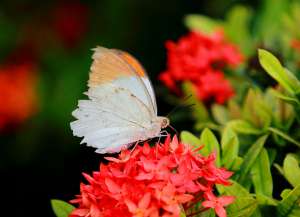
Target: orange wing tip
pixel 110 64
pixel 134 63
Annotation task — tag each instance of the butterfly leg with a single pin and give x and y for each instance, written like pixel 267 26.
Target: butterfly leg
pixel 137 142
pixel 163 133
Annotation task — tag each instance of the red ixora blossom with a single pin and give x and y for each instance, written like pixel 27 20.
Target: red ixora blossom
pixel 17 94
pixel 200 59
pixel 70 22
pixel 162 180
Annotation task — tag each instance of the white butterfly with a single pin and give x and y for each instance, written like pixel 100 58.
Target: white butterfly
pixel 121 108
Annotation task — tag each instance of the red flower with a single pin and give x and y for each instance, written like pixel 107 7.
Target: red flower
pixel 214 86
pixel 217 203
pixel 197 55
pixel 150 182
pixel 70 22
pixel 17 94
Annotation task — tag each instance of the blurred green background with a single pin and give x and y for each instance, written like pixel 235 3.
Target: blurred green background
pixel 45 47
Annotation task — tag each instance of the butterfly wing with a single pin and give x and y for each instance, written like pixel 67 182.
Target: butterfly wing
pixel 139 70
pixel 111 118
pixel 119 109
pixel 110 65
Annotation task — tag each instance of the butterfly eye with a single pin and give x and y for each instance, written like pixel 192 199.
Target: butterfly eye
pixel 165 122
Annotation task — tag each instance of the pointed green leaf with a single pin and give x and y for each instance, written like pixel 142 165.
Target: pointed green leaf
pixel 255 110
pixel 285 193
pixel 272 152
pixel 244 127
pixel 244 204
pixel 220 114
pixel 239 18
pixel 291 170
pixel 279 169
pixel 284 136
pixel 210 143
pixel 261 174
pixel 201 23
pixel 230 147
pixel 199 111
pixel 274 68
pixel 250 158
pixel 289 206
pixel 289 99
pixel 265 200
pixel 234 109
pixel 237 164
pixel 190 139
pixel 61 208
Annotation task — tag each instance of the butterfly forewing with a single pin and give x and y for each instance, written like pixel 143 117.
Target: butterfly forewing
pixel 140 72
pixel 110 66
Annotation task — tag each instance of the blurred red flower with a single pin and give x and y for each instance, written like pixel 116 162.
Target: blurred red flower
pixel 213 86
pixel 151 182
pixel 197 57
pixel 296 44
pixel 17 94
pixel 70 22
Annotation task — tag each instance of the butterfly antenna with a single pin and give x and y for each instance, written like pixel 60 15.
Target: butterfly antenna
pixel 180 105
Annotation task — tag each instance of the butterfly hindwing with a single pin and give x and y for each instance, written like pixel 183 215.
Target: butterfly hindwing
pixel 105 117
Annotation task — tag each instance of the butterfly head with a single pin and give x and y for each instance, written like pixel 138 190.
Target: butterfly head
pixel 164 122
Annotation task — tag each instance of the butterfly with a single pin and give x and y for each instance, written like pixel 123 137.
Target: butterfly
pixel 121 107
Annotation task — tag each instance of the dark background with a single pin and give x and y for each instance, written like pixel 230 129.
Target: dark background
pixel 40 159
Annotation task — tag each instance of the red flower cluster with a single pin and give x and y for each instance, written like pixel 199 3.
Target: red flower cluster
pixel 163 180
pixel 17 94
pixel 70 22
pixel 200 59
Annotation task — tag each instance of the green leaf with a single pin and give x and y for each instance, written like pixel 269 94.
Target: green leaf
pixel 274 68
pixel 234 109
pixel 210 143
pixel 230 147
pixel 239 18
pixel 265 29
pixel 284 135
pixel 61 208
pixel 250 158
pixel 265 200
pixel 220 114
pixel 237 164
pixel 291 170
pixel 261 174
pixel 289 206
pixel 244 127
pixel 244 204
pixel 285 193
pixel 190 139
pixel 243 207
pixel 279 168
pixel 199 112
pixel 272 152
pixel 201 23
pixel 288 99
pixel 256 111
pixel 182 214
